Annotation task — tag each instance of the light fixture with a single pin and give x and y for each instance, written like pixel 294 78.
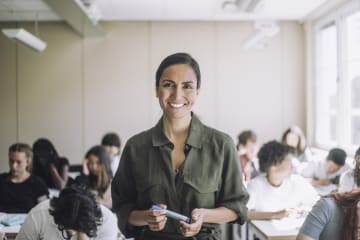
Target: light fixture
pixel 264 31
pixel 247 6
pixel 22 36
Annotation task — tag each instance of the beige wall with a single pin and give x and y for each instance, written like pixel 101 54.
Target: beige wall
pixel 78 89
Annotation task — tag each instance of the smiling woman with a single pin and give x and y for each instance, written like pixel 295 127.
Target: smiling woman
pixel 180 164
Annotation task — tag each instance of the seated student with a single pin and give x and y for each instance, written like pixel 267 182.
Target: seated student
pixel 333 217
pixel 351 178
pixel 73 215
pixel 111 142
pixel 48 165
pixel 328 171
pixel 99 174
pixel 247 153
pixel 19 189
pixel 294 137
pixel 275 192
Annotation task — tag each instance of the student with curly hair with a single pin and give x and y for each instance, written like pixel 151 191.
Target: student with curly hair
pixel 335 216
pixel 278 190
pixel 351 178
pixel 73 215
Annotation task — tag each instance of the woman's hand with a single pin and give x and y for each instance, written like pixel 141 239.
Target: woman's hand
pixel 197 218
pixel 156 219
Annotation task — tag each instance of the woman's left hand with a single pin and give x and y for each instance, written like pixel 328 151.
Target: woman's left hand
pixel 197 218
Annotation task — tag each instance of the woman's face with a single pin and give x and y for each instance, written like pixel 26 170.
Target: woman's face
pixel 93 164
pixel 177 91
pixel 278 173
pixel 18 163
pixel 292 139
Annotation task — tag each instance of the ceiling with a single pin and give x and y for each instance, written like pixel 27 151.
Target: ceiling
pixel 162 10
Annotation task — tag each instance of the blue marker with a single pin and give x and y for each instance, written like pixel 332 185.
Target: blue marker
pixel 172 214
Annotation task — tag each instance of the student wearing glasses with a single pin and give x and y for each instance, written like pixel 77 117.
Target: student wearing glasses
pixel 73 215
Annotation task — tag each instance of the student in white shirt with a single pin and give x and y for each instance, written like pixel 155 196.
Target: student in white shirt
pixel 278 192
pixel 351 178
pixel 73 215
pixel 327 171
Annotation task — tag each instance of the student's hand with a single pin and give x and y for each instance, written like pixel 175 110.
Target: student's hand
pixel 156 219
pixel 321 182
pixel 85 169
pixel 281 214
pixel 197 218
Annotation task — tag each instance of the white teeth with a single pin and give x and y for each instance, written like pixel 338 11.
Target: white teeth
pixel 176 105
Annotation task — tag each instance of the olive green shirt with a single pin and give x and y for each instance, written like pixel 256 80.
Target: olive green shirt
pixel 210 176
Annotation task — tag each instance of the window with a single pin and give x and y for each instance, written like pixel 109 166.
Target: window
pixel 353 74
pixel 337 79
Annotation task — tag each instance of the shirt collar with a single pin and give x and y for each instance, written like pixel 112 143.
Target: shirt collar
pixel 194 139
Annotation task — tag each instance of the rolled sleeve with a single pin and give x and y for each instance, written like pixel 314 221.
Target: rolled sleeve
pixel 123 192
pixel 233 194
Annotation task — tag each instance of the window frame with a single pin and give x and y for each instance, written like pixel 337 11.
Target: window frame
pixel 337 17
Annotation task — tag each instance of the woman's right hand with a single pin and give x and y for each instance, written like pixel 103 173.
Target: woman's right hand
pixel 156 219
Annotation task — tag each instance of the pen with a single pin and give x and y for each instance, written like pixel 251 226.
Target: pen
pixel 172 214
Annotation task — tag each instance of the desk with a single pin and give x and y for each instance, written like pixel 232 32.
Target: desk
pixel 11 223
pixel 11 232
pixel 275 229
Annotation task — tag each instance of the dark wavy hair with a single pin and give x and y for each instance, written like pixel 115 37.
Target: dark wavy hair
pixel 348 201
pixel 100 182
pixel 178 58
pixel 44 152
pixel 76 209
pixel 273 153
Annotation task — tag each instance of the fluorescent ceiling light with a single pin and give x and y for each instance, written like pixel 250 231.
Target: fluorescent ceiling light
pixel 22 36
pixel 264 31
pixel 246 6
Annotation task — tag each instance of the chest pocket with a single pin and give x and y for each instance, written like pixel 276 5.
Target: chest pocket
pixel 201 192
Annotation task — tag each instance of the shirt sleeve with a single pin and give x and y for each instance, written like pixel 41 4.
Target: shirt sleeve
pixel 233 193
pixel 346 182
pixel 29 230
pixel 309 170
pixel 123 191
pixel 108 229
pixel 316 220
pixel 251 188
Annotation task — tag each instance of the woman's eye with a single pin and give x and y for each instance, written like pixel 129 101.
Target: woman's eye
pixel 168 85
pixel 188 86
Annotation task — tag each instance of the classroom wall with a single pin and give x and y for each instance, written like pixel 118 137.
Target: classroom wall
pixel 78 89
